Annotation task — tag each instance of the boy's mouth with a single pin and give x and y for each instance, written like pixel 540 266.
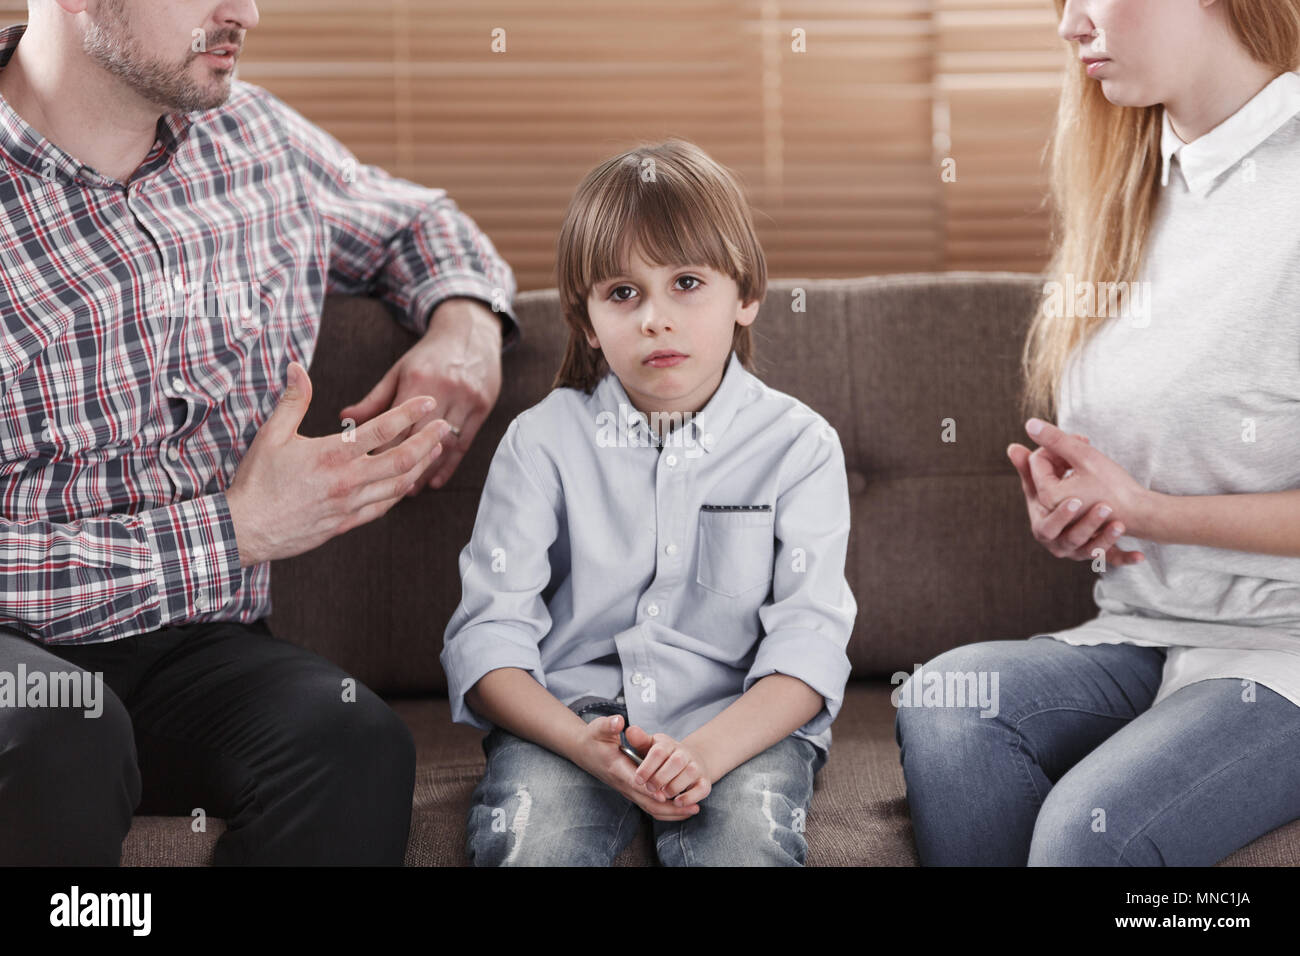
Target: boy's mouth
pixel 663 358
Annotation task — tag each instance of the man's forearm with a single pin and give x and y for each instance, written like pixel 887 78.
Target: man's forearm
pixel 775 707
pixel 510 698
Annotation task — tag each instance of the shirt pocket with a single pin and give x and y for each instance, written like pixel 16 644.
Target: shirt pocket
pixel 736 548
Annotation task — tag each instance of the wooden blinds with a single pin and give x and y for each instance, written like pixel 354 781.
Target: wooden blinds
pixel 836 114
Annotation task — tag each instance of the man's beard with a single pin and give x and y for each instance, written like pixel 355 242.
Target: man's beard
pixel 110 43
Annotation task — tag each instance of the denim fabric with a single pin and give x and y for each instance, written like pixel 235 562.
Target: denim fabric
pixel 534 807
pixel 1078 768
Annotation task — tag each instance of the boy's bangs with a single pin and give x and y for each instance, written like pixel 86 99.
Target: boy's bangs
pixel 671 230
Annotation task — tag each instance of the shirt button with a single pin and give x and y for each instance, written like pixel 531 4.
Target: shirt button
pixel 174 453
pixel 178 385
pixel 708 438
pixel 671 461
pixel 653 610
pixel 201 600
pixel 671 549
pixel 637 678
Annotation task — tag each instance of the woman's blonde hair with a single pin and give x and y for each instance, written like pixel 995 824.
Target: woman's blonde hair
pixel 1104 163
pixel 678 206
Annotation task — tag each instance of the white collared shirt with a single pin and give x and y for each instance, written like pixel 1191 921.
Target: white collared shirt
pixel 1197 392
pixel 1206 158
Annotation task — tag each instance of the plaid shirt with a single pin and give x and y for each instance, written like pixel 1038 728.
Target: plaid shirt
pixel 147 333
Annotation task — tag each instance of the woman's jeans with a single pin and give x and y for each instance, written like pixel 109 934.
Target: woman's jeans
pixel 1078 769
pixel 534 807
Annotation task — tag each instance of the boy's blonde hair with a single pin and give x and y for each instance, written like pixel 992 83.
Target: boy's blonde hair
pixel 679 207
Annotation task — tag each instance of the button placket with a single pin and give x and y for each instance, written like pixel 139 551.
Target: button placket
pixel 670 478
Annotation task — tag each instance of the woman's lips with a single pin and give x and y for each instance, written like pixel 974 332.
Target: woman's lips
pixel 1095 65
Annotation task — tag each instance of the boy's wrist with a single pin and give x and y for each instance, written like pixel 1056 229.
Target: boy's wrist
pixel 704 750
pixel 572 743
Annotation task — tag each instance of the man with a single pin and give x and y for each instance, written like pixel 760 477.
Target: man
pixel 168 236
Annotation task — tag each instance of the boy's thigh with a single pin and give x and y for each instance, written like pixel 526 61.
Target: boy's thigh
pixel 754 816
pixel 534 807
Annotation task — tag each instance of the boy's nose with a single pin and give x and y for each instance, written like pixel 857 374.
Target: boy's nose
pixel 654 318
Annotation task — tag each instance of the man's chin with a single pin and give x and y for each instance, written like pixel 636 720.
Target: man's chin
pixel 208 99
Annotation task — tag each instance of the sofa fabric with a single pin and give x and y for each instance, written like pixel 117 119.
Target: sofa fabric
pixel 940 552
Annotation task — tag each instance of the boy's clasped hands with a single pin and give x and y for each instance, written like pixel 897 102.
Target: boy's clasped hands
pixel 1071 490
pixel 671 780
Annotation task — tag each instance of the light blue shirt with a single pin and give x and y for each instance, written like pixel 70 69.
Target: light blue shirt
pixel 675 576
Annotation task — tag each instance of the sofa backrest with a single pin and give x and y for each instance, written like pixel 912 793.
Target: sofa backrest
pixel 940 551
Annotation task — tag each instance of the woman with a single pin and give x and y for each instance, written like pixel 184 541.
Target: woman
pixel 1167 729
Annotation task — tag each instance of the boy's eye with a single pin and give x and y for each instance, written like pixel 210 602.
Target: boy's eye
pixel 615 296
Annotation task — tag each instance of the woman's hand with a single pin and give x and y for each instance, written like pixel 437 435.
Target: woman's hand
pixel 1068 532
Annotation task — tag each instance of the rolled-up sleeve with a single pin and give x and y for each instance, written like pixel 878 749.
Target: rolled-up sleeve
pixel 502 617
pixel 807 624
pixel 409 244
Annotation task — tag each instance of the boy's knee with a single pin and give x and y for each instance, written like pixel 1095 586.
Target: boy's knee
pixel 742 836
pixel 536 825
pixel 754 822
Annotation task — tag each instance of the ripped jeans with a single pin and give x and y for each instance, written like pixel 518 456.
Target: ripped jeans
pixel 534 807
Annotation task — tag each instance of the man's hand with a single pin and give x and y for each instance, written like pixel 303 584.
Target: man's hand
pixel 291 494
pixel 669 770
pixel 597 753
pixel 458 362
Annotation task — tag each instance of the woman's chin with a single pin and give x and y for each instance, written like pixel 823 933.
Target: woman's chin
pixel 1122 94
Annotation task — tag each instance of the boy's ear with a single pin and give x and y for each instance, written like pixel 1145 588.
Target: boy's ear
pixel 745 314
pixel 591 339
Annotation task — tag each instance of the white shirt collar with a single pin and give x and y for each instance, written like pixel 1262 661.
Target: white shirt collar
pixel 1203 160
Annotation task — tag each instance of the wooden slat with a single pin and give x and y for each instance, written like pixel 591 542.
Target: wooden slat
pixel 839 147
pixel 997 76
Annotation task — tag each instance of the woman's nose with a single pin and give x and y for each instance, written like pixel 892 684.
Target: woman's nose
pixel 1075 26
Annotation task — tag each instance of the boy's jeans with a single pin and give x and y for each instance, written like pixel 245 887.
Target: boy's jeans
pixel 535 807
